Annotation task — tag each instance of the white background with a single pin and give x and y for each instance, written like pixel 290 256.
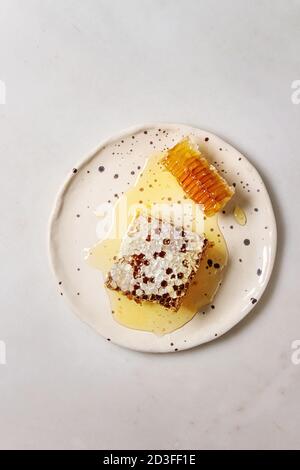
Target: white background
pixel 75 72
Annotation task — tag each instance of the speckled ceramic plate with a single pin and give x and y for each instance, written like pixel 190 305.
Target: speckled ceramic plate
pixel 73 227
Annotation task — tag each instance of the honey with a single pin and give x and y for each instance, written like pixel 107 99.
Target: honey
pixel 200 180
pixel 239 215
pixel 157 190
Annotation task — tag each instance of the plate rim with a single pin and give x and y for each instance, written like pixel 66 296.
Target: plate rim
pixel 57 205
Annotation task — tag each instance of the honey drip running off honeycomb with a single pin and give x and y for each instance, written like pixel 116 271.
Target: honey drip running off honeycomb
pixel 199 179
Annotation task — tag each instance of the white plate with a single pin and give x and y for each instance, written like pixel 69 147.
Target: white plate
pixel 73 228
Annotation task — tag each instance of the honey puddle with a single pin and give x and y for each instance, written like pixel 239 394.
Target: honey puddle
pixel 158 190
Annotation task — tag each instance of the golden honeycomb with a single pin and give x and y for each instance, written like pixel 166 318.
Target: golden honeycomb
pixel 198 178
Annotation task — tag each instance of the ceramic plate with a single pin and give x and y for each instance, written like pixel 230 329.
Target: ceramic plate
pixel 92 182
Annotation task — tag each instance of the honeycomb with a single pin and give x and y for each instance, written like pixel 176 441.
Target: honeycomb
pixel 198 178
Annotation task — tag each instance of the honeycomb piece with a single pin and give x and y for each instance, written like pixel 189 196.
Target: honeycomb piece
pixel 198 178
pixel 157 262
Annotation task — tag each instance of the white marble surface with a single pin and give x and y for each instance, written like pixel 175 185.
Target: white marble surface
pixel 75 72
